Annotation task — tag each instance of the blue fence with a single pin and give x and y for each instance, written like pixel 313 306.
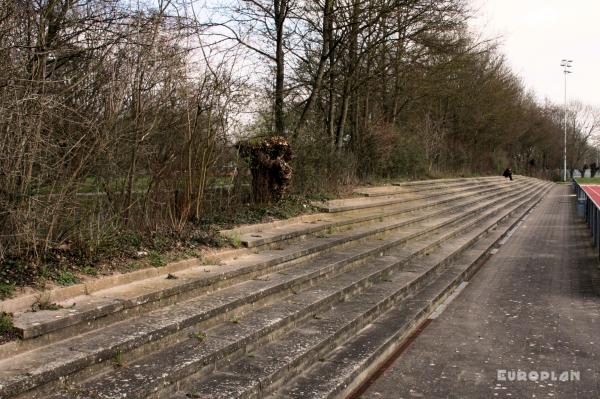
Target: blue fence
pixel 590 210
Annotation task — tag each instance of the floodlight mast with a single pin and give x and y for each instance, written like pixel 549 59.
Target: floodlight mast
pixel 566 64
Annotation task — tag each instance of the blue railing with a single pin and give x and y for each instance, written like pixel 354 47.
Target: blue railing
pixel 588 208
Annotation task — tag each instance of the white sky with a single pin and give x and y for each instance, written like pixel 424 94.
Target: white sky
pixel 537 34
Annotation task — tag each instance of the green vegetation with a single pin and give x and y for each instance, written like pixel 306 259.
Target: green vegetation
pixel 91 185
pixel 90 271
pixel 193 253
pixel 588 180
pixel 132 266
pixel 200 336
pixel 7 330
pixel 320 196
pixel 156 259
pixel 6 324
pixel 6 289
pixel 235 241
pixel 249 213
pixel 387 276
pixel 118 359
pixel 67 278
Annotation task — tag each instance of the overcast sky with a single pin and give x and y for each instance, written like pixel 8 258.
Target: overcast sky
pixel 537 34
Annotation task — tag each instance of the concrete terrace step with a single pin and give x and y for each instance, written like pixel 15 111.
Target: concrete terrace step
pixel 341 372
pixel 241 230
pixel 154 373
pixel 151 373
pixel 263 370
pixel 350 204
pixel 394 189
pixel 267 234
pixel 141 295
pixel 420 183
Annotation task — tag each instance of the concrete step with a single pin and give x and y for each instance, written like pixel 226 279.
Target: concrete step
pixel 154 371
pixel 420 183
pixel 350 204
pixel 341 372
pixel 142 296
pixel 256 375
pixel 245 229
pixel 268 234
pixel 433 185
pixel 266 367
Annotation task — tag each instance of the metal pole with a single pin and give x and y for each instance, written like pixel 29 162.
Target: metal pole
pixel 566 64
pixel 565 126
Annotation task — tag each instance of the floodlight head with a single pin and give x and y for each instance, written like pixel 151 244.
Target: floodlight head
pixel 565 62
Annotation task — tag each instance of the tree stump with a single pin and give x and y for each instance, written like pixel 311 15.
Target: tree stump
pixel 268 160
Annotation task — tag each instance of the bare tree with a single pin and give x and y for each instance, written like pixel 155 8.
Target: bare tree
pixel 260 26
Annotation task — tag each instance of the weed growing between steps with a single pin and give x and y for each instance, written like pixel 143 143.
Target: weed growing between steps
pixel 156 259
pixel 200 336
pixel 43 303
pixel 7 330
pixel 67 278
pixel 6 289
pixel 118 360
pixel 249 214
pixel 235 240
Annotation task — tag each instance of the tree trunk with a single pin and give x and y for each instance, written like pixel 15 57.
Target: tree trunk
pixel 326 53
pixel 281 7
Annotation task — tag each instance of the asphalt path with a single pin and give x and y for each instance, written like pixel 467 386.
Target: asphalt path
pixel 526 326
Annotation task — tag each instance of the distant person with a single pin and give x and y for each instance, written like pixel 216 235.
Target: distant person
pixel 507 173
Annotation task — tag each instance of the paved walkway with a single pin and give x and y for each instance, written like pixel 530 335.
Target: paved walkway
pixel 532 307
